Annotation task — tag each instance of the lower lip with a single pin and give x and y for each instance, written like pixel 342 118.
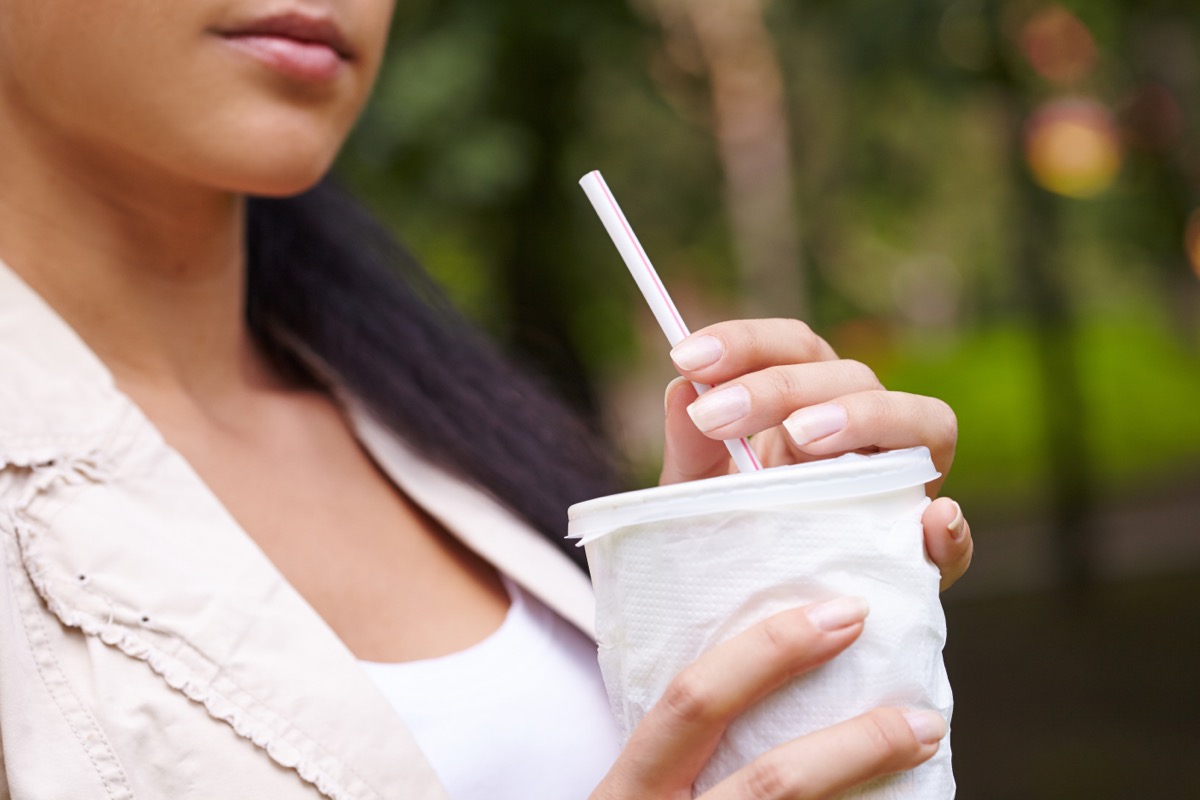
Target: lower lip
pixel 305 61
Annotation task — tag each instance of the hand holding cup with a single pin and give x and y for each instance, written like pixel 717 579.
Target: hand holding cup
pixel 673 742
pixel 775 379
pixel 778 381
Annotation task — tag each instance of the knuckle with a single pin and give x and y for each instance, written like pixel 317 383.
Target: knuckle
pixel 782 637
pixel 768 779
pixel 785 385
pixel 862 375
pixel 689 699
pixel 822 349
pixel 888 735
pixel 801 331
pixel 949 421
pixel 761 340
pixel 812 345
pixel 880 411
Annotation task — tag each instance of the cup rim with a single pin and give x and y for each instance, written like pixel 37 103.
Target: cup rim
pixel 853 475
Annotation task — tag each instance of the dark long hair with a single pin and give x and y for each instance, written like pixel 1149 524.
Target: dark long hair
pixel 324 274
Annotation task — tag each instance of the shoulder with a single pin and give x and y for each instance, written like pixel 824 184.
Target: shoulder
pixel 56 397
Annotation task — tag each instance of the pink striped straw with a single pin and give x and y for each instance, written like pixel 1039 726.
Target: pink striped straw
pixel 653 290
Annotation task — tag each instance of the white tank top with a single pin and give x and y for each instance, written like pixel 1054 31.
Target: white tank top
pixel 520 715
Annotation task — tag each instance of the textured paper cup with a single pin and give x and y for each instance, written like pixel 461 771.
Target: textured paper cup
pixel 678 569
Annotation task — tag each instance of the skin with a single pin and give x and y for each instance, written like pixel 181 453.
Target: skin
pixel 784 367
pixel 131 134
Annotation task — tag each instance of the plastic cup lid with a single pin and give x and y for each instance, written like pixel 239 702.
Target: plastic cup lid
pixel 846 477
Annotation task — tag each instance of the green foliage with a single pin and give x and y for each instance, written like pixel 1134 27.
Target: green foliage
pixel 913 202
pixel 1140 420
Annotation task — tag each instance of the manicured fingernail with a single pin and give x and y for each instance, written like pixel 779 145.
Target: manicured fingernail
pixel 841 612
pixel 815 422
pixel 927 726
pixel 956 527
pixel 720 407
pixel 670 388
pixel 698 352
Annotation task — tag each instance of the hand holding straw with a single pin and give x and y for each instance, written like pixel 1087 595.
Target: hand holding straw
pixel 653 290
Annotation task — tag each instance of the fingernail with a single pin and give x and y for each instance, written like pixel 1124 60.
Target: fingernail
pixel 698 352
pixel 928 726
pixel 841 612
pixel 956 527
pixel 667 393
pixel 720 407
pixel 815 422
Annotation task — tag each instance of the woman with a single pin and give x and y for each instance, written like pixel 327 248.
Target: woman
pixel 252 488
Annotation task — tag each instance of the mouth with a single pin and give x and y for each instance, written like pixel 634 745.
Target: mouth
pixel 297 45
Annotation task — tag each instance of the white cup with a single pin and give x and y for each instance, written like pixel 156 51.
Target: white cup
pixel 678 569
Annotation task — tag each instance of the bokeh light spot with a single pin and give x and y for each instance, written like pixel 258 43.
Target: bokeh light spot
pixel 1191 240
pixel 1058 45
pixel 1072 147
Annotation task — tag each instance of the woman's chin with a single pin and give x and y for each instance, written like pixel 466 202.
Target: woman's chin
pixel 264 160
pixel 268 180
pixel 288 187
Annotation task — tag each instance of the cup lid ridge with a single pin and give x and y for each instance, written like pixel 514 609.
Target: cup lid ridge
pixel 845 477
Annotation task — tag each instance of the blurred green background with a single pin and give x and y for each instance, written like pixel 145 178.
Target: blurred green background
pixel 996 202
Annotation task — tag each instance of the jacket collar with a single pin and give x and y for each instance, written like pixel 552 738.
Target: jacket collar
pixel 482 524
pixel 155 566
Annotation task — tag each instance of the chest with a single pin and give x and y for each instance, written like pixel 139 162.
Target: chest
pixel 390 581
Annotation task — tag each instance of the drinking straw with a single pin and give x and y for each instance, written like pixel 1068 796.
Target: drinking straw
pixel 653 290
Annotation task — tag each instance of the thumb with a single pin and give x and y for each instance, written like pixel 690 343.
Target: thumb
pixel 687 453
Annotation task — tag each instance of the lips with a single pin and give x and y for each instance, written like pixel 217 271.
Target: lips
pixel 302 47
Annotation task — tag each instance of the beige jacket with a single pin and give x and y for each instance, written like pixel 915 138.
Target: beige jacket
pixel 148 648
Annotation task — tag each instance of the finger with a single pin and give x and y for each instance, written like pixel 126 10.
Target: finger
pixel 687 453
pixel 723 351
pixel 761 400
pixel 829 761
pixel 678 735
pixel 877 419
pixel 948 539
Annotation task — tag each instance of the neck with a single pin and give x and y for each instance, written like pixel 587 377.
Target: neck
pixel 149 271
